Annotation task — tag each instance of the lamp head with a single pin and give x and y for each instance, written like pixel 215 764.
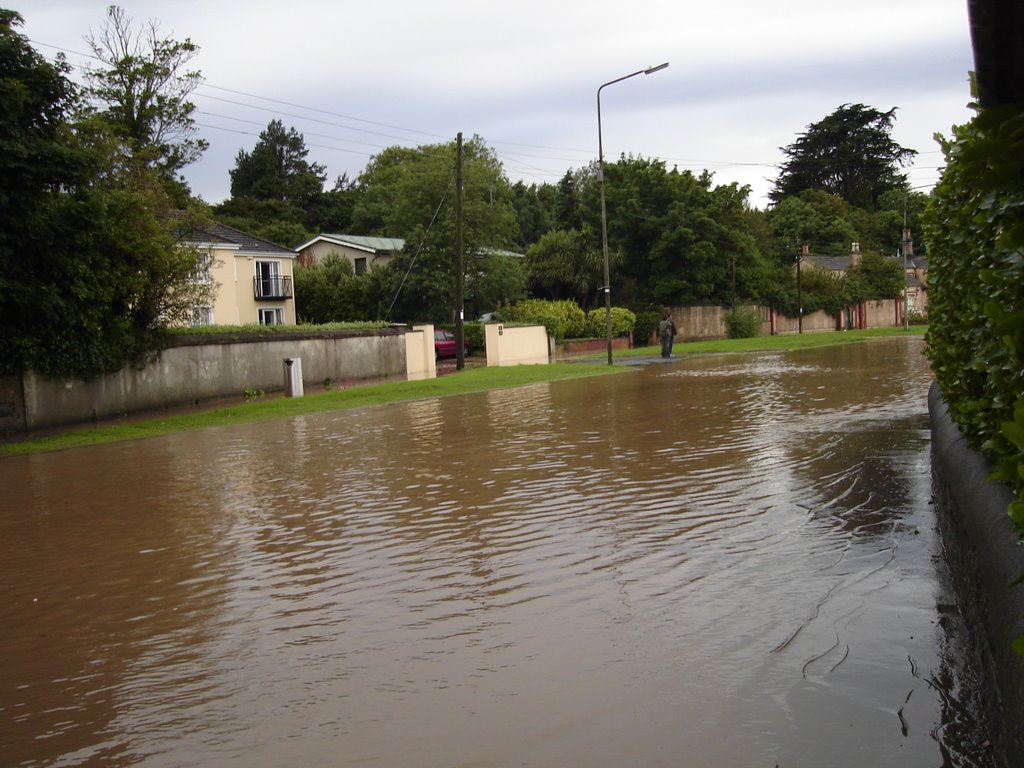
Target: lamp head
pixel 652 70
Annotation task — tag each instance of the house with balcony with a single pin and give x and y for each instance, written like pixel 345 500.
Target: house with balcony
pixel 916 269
pixel 253 278
pixel 362 251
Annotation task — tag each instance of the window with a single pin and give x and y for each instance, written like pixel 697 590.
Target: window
pixel 271 316
pixel 202 315
pixel 203 273
pixel 268 279
pixel 360 264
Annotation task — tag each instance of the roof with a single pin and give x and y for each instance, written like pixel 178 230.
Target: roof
pixel 222 234
pixel 501 252
pixel 832 263
pixel 361 242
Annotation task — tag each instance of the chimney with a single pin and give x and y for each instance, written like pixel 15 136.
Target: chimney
pixel 854 254
pixel 908 244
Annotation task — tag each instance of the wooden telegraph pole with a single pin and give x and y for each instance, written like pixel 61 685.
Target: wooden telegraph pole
pixel 460 350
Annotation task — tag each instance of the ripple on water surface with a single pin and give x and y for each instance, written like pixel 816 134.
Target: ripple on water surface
pixel 728 558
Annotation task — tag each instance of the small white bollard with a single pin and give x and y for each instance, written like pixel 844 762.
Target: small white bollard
pixel 293 377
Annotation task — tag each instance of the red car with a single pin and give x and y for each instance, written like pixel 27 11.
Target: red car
pixel 444 344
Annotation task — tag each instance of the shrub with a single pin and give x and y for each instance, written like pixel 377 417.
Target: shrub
pixel 742 323
pixel 563 319
pixel 645 328
pixel 623 322
pixel 975 231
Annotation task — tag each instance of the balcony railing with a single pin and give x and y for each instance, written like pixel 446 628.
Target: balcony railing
pixel 272 288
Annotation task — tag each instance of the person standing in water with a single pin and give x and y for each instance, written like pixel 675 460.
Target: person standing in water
pixel 667 333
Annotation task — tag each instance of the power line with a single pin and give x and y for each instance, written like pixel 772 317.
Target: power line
pixel 527 164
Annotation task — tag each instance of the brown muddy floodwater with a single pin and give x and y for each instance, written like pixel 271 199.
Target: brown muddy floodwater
pixel 722 561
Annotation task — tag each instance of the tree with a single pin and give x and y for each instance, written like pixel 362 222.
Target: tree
pixel 410 193
pixel 815 218
pixel 875 277
pixel 682 239
pixel 498 280
pixel 567 214
pixel 330 292
pixel 534 206
pixel 145 88
pixel 91 269
pixel 277 168
pixel 565 265
pixel 848 154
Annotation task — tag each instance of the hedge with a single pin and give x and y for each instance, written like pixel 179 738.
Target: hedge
pixel 975 232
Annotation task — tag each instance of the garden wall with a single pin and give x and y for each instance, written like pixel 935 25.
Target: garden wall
pixel 201 368
pixel 984 557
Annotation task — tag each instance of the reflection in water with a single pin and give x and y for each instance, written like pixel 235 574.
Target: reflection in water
pixel 720 561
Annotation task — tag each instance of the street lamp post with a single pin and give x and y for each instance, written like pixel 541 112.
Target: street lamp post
pixel 604 213
pixel 804 251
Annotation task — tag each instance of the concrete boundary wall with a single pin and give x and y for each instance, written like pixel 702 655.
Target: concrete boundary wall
pixel 201 368
pixel 518 345
pixel 984 557
pixel 708 322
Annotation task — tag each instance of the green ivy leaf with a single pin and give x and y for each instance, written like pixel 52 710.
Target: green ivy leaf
pixel 1016 511
pixel 1013 432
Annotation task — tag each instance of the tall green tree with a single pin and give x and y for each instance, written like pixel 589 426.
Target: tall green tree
pixel 91 264
pixel 567 213
pixel 143 88
pixel 875 277
pixel 682 239
pixel 277 168
pixel 410 193
pixel 566 265
pixel 814 218
pixel 849 154
pixel 535 212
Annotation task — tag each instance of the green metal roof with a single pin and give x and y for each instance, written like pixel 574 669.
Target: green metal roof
pixel 387 244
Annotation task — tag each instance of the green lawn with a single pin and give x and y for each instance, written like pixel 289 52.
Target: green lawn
pixel 767 343
pixel 469 380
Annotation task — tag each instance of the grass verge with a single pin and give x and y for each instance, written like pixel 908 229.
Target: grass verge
pixel 467 381
pixel 768 343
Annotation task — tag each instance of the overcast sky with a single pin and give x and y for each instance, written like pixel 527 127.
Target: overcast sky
pixel 745 76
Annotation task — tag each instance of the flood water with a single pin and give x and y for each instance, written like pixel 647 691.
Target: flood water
pixel 720 561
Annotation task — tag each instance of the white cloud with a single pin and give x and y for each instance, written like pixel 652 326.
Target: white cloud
pixel 745 76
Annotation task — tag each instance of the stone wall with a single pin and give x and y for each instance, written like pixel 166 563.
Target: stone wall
pixel 201 368
pixel 984 557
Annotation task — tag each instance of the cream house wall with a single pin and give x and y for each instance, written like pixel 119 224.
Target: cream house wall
pixel 234 272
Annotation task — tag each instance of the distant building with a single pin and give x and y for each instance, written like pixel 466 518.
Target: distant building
pixel 916 268
pixel 253 277
pixel 362 251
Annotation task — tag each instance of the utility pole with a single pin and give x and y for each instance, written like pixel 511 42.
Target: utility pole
pixel 460 350
pixel 804 250
pixel 906 242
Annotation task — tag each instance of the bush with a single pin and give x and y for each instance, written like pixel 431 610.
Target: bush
pixel 563 319
pixel 623 322
pixel 645 328
pixel 742 323
pixel 975 231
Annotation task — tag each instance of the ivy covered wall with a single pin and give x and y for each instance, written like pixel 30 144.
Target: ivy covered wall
pixel 975 233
